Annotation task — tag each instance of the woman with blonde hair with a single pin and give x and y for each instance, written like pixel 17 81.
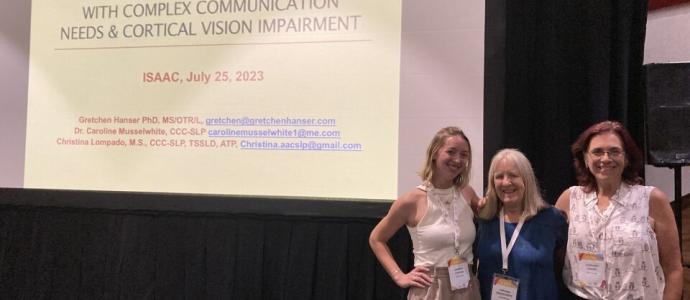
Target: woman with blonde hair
pixel 519 234
pixel 439 217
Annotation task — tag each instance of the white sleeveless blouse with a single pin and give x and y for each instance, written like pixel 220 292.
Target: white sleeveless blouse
pixel 448 215
pixel 623 235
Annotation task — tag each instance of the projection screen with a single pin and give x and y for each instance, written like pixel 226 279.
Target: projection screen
pixel 314 99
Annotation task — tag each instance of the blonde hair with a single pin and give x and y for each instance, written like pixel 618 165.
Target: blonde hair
pixel 532 200
pixel 436 143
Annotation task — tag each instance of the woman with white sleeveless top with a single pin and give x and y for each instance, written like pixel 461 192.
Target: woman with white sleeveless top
pixel 622 238
pixel 439 216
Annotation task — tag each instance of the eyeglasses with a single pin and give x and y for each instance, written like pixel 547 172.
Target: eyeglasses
pixel 613 153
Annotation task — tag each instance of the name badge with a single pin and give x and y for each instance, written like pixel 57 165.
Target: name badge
pixel 459 273
pixel 591 269
pixel 504 287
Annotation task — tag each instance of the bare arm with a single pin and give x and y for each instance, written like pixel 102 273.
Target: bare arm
pixel 667 242
pixel 472 199
pixel 403 211
pixel 563 204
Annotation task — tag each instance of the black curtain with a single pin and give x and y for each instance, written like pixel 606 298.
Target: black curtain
pixel 553 68
pixel 93 253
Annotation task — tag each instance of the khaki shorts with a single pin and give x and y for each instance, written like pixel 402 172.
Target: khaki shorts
pixel 440 288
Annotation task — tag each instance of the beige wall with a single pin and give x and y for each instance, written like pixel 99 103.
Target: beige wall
pixel 441 81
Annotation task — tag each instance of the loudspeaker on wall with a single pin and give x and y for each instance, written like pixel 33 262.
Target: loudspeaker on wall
pixel 667 118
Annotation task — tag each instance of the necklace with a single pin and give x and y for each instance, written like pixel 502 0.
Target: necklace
pixel 444 196
pixel 446 200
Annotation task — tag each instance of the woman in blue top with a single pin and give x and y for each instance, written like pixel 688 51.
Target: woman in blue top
pixel 534 236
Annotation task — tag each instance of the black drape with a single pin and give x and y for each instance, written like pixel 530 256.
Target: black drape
pixel 95 253
pixel 554 68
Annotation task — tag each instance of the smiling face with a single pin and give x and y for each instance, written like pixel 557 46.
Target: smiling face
pixel 450 161
pixel 605 157
pixel 509 184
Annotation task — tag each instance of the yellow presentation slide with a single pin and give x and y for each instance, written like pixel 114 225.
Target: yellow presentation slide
pixel 289 98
